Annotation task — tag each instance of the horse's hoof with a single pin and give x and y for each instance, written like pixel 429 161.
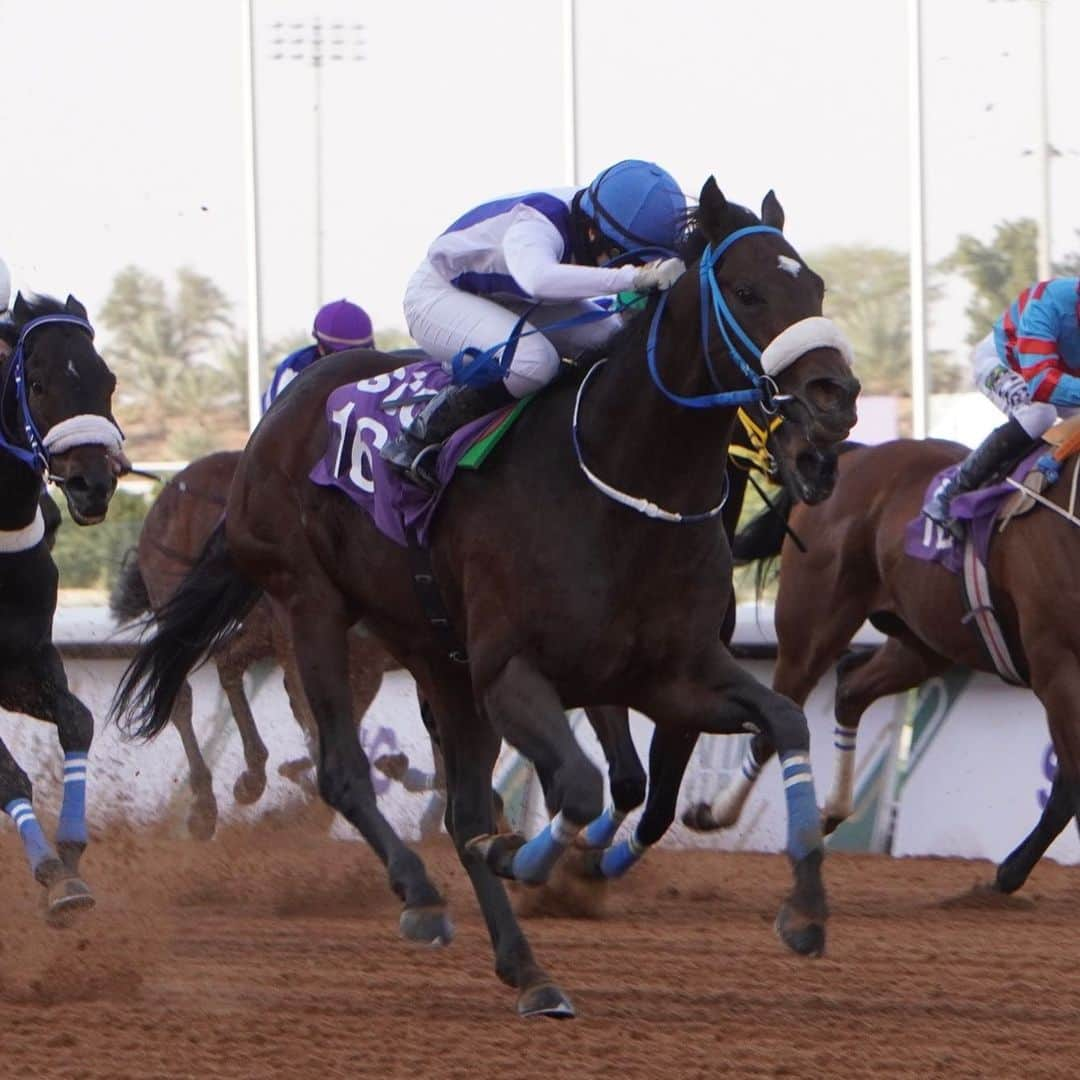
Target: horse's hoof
pixel 699 817
pixel 497 850
pixel 65 898
pixel 426 925
pixel 545 999
pixel 202 820
pixel 799 933
pixel 249 787
pixel 830 823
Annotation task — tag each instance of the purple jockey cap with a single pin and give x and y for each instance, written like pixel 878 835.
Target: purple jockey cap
pixel 343 325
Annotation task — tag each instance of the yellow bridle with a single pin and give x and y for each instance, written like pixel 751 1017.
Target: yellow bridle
pixel 757 455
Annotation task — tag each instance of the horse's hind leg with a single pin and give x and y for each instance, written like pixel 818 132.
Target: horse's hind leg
pixel 203 815
pixel 626 775
pixel 470 747
pixel 251 783
pixel 861 679
pixel 318 625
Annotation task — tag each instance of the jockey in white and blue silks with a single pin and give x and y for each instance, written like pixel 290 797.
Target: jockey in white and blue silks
pixel 540 252
pixel 1029 367
pixel 339 325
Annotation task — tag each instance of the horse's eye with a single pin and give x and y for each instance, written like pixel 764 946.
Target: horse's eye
pixel 746 295
pixel 36 387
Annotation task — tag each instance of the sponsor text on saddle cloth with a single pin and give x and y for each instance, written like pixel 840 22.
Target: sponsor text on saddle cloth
pixel 362 416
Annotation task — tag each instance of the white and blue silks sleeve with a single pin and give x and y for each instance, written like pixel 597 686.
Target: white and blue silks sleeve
pixel 533 249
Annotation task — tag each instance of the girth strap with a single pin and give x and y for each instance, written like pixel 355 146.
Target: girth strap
pixel 431 600
pixel 980 610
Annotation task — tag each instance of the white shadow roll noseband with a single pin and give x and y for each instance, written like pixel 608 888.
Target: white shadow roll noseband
pixel 815 332
pixel 85 430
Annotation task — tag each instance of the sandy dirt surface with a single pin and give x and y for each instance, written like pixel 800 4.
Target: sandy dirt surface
pixel 275 953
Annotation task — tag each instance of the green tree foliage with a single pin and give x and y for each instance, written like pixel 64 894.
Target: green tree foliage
pixel 997 272
pixel 867 294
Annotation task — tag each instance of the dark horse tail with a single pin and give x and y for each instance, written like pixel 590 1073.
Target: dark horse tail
pixel 208 606
pixel 129 597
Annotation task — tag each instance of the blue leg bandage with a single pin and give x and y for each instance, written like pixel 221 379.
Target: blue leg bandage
pixel 601 831
pixel 804 822
pixel 534 861
pixel 72 827
pixel 618 859
pixel 38 849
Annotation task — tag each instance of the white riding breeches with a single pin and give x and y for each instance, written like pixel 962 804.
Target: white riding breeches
pixel 1009 392
pixel 443 320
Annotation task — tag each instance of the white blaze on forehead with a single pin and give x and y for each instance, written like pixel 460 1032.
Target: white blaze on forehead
pixel 789 265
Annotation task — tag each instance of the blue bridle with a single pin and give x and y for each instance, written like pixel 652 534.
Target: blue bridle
pixel 34 454
pixel 738 342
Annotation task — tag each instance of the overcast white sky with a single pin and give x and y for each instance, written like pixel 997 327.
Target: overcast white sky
pixel 123 137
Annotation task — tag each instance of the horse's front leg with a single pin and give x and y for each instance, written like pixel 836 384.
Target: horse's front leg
pixel 528 712
pixel 723 699
pixel 39 688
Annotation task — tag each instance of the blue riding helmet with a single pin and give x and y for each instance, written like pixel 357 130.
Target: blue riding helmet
pixel 635 204
pixel 342 325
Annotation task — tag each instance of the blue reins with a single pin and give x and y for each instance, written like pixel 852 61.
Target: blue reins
pixel 738 342
pixel 34 454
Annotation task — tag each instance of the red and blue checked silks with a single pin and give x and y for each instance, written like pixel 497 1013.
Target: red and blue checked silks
pixel 1039 337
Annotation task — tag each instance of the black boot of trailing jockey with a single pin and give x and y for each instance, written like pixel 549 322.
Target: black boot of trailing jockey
pixel 1000 448
pixel 451 408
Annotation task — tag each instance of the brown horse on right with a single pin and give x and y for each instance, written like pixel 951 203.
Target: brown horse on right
pixel 855 569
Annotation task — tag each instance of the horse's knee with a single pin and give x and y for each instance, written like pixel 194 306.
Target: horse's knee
pixel 14 784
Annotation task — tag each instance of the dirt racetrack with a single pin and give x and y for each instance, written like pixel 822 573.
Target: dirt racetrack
pixel 275 953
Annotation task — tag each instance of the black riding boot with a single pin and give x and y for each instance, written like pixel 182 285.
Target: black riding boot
pixel 1001 447
pixel 451 408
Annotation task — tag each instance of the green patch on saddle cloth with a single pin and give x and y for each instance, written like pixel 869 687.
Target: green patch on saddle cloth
pixel 478 453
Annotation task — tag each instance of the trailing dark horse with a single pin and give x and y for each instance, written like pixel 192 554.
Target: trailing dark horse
pixel 175 530
pixel 55 420
pixel 564 594
pixel 856 569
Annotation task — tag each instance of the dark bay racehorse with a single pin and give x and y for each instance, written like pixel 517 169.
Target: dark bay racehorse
pixel 855 569
pixel 55 420
pixel 176 527
pixel 565 594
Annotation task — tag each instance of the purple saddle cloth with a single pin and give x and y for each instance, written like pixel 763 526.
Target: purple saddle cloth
pixel 363 417
pixel 925 540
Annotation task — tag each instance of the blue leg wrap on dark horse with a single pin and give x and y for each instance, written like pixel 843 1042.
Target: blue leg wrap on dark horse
pixel 601 831
pixel 38 849
pixel 804 820
pixel 534 861
pixel 618 859
pixel 72 826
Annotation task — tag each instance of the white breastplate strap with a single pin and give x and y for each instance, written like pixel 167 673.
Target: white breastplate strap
pixel 799 338
pixel 25 538
pixel 86 430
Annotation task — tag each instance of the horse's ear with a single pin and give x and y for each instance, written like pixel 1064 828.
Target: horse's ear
pixel 772 213
pixel 712 210
pixel 20 309
pixel 73 307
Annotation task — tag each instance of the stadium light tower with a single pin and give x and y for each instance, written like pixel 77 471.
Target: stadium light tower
pixel 316 43
pixel 920 396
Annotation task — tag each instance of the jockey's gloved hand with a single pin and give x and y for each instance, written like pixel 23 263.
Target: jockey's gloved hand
pixel 1012 388
pixel 658 276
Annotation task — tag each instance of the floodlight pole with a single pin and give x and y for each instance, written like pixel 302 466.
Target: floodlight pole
pixel 251 218
pixel 920 398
